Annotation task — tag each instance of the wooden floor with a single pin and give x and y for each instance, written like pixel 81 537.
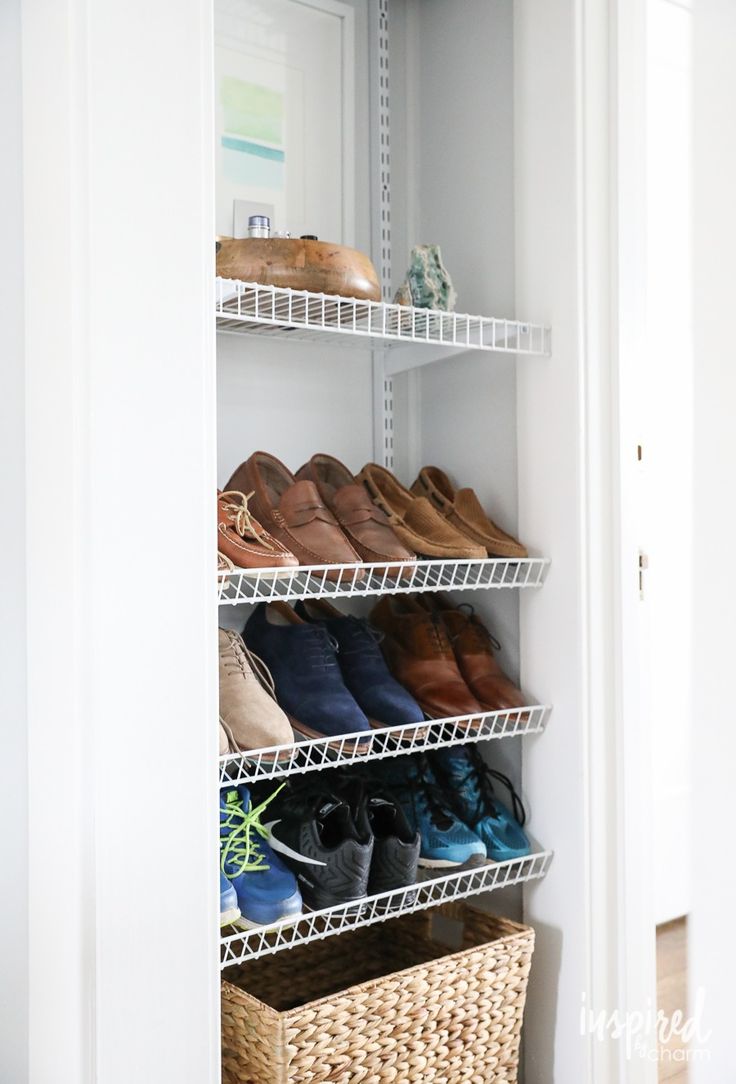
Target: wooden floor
pixel 672 992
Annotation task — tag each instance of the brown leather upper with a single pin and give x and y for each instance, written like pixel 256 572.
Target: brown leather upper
pixel 243 540
pixel 420 655
pixel 464 511
pixel 293 511
pixel 363 522
pixel 414 520
pixel 473 647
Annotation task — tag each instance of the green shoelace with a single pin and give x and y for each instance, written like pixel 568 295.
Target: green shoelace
pixel 240 848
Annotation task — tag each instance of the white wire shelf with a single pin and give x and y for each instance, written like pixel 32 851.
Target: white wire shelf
pixel 245 945
pixel 394 741
pixel 278 312
pixel 319 581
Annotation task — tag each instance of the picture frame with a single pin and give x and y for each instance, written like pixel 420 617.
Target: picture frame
pixel 285 116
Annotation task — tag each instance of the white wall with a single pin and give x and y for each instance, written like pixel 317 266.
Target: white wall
pixel 13 738
pixel 713 948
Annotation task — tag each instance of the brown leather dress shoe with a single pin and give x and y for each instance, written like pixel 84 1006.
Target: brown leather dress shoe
pixel 473 646
pixel 293 512
pixel 414 520
pixel 463 510
pixel 419 654
pixel 363 522
pixel 242 542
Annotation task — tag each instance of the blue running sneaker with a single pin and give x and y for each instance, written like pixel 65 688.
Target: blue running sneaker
pixel 307 679
pixel 364 669
pixel 468 782
pixel 266 890
pixel 445 841
pixel 229 910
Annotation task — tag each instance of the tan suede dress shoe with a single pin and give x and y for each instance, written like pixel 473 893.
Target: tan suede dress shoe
pixel 473 646
pixel 414 520
pixel 364 523
pixel 241 540
pixel 419 654
pixel 249 714
pixel 293 512
pixel 464 511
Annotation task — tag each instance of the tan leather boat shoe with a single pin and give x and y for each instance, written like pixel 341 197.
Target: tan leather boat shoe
pixel 241 540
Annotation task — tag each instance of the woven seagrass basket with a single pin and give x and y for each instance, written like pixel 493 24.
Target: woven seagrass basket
pixel 385 1003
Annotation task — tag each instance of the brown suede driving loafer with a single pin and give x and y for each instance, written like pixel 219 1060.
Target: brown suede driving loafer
pixel 419 654
pixel 293 512
pixel 414 520
pixel 464 511
pixel 364 523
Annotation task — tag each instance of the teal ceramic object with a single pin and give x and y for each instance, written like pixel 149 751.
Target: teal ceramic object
pixel 428 282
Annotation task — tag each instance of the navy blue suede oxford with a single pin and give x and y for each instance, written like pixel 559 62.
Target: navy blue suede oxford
pixel 364 669
pixel 308 682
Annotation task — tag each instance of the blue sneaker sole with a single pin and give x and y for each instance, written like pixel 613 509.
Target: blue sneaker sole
pixel 227 918
pixel 285 912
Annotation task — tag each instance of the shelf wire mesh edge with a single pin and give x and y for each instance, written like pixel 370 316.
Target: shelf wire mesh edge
pixel 280 311
pixel 277 762
pixel 316 925
pixel 318 581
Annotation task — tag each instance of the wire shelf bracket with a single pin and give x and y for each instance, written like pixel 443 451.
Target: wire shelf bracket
pixel 315 754
pixel 251 944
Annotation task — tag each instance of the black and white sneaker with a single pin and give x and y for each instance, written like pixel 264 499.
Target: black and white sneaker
pixel 378 813
pixel 314 832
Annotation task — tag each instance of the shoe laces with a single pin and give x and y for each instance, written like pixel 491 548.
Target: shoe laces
pixel 240 659
pixel 435 634
pixel 224 564
pixel 366 638
pixel 473 626
pixel 425 794
pixel 320 649
pixel 479 780
pixel 235 504
pixel 241 833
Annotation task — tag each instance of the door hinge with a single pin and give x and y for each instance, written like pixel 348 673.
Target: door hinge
pixel 643 566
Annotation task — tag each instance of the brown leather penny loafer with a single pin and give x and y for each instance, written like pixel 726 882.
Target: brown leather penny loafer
pixel 419 653
pixel 293 512
pixel 473 646
pixel 242 542
pixel 463 510
pixel 364 523
pixel 414 520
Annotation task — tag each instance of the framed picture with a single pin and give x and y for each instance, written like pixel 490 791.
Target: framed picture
pixel 285 116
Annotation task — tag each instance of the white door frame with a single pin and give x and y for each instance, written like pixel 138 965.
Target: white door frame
pixel 121 790
pixel 580 80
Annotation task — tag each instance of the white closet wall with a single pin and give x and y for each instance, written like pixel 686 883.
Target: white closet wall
pixel 452 102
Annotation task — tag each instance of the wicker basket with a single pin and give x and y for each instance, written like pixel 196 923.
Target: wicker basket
pixel 383 1003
